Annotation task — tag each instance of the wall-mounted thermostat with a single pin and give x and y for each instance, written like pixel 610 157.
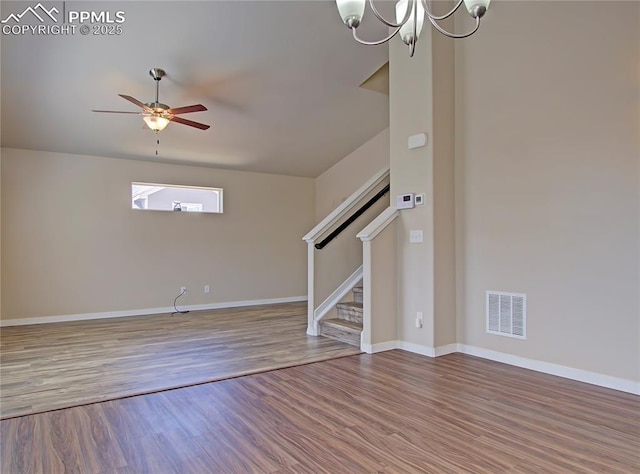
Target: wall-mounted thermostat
pixel 405 201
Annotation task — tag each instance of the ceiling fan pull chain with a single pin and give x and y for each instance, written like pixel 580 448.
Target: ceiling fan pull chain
pixel 157 142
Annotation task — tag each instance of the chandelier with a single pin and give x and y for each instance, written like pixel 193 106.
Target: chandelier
pixel 410 15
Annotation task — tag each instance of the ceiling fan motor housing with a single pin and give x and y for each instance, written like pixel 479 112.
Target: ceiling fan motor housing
pixel 157 106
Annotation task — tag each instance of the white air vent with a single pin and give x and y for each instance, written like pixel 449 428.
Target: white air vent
pixel 507 314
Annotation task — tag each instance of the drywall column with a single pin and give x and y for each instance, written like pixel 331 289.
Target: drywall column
pixel 426 277
pixel 0 237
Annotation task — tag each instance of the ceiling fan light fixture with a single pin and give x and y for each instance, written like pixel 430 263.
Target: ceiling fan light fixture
pixel 158 115
pixel 156 122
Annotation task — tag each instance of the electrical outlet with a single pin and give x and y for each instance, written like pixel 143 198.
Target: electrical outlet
pixel 183 289
pixel 419 319
pixel 207 289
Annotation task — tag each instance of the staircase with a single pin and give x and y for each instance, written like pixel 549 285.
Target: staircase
pixel 347 327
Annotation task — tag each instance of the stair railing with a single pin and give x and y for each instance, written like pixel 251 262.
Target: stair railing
pixel 328 223
pixel 322 244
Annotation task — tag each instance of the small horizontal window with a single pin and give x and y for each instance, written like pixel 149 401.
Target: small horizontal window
pixel 170 197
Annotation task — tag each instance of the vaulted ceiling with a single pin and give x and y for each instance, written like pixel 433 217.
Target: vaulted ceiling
pixel 280 80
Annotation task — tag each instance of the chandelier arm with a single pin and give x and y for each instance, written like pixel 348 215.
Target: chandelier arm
pixel 388 23
pixel 452 35
pixel 442 17
pixel 374 43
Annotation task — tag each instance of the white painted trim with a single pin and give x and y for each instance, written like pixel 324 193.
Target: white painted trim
pixel 593 378
pixel 411 347
pixel 365 335
pixel 346 206
pixel 339 293
pixel 145 312
pixel 417 348
pixel 377 225
pixel 312 325
pixel 571 373
pixel 380 347
pixel 448 349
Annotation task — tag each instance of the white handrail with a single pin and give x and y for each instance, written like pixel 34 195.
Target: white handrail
pixel 351 202
pixel 377 225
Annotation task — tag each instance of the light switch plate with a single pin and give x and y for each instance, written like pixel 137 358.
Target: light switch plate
pixel 415 236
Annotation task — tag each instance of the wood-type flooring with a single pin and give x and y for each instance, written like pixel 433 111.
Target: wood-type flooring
pixel 393 412
pixel 50 366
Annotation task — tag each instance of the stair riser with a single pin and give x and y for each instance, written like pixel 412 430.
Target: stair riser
pixel 357 296
pixel 350 314
pixel 340 335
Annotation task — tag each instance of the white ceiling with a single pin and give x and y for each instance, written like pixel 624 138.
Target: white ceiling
pixel 280 79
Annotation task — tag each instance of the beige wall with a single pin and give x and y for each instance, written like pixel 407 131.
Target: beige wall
pixel 71 244
pixel 384 291
pixel 0 235
pixel 444 235
pixel 547 176
pixel 345 177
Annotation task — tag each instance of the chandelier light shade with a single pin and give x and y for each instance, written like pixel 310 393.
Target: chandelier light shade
pixel 407 33
pixel 156 122
pixel 410 16
pixel 351 11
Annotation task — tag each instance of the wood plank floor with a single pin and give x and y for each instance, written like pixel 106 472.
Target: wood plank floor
pixel 393 412
pixel 44 367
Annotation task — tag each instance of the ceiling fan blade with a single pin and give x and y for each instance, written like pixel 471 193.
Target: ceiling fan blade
pixel 187 109
pixel 191 123
pixel 136 102
pixel 116 112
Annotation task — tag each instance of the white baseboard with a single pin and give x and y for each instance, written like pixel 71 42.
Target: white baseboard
pixel 593 378
pixel 406 346
pixel 144 312
pixel 381 347
pixel 448 349
pixel 416 348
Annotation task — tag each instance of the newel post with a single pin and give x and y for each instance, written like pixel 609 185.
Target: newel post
pixel 312 324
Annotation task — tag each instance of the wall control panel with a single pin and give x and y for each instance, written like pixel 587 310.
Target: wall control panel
pixel 405 201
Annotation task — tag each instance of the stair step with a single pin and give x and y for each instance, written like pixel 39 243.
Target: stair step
pixel 350 312
pixel 341 330
pixel 357 294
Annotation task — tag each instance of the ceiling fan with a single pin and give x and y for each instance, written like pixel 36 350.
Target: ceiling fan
pixel 157 115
